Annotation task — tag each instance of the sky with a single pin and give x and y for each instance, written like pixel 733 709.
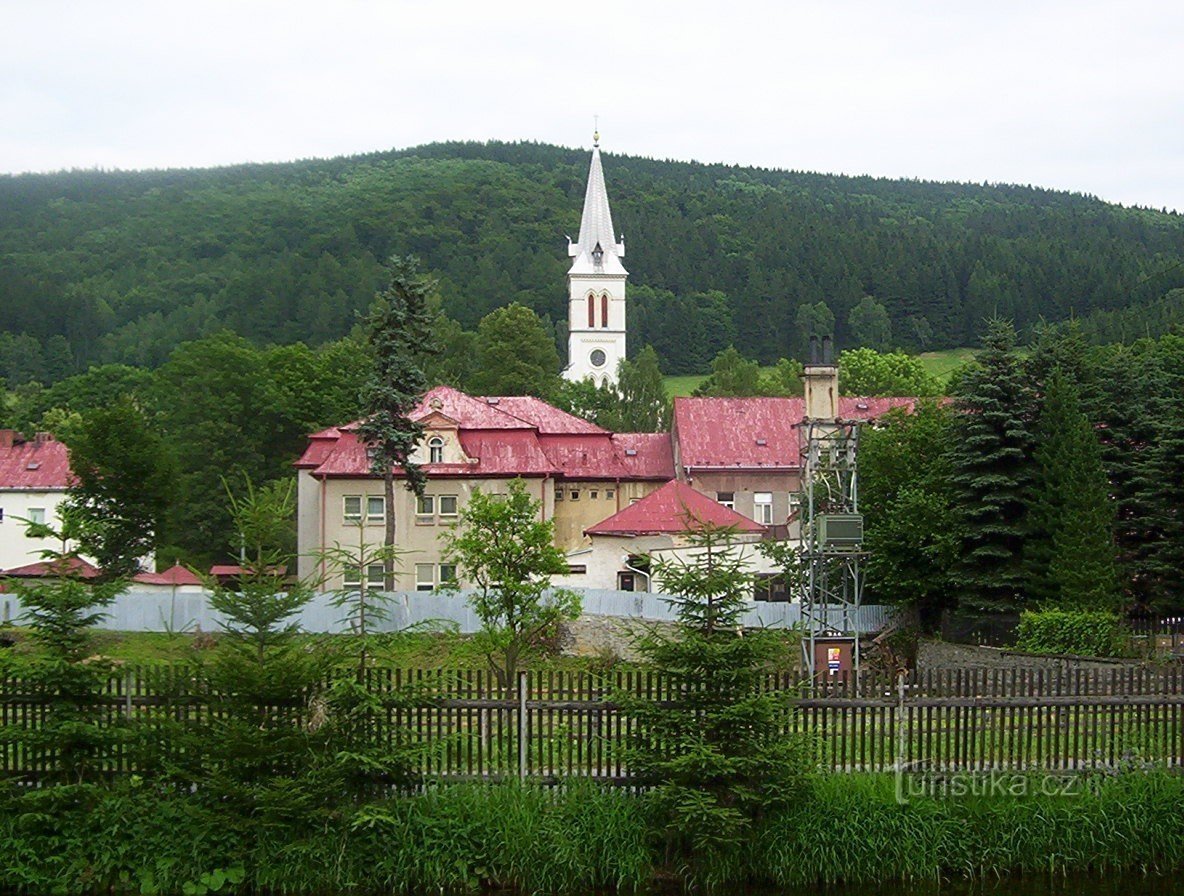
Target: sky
pixel 1083 96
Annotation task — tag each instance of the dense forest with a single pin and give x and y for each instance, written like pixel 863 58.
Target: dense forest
pixel 121 267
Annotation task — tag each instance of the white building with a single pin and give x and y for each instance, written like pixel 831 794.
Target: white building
pixel 596 284
pixel 34 476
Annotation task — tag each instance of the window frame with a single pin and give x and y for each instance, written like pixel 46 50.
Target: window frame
pixel 346 515
pixel 435 450
pixel 422 584
pixel 766 518
pixel 379 517
pixel 447 514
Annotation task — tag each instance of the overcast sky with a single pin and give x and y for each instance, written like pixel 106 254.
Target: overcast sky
pixel 1086 96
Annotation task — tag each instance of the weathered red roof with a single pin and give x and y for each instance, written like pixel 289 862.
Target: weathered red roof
pixel 37 464
pixel 468 411
pixel 174 575
pixel 604 456
pixel 547 419
pixel 508 436
pixel 756 433
pixel 674 508
pixel 49 569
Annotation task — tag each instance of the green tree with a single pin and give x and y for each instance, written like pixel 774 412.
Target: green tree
pixel 992 475
pixel 784 379
pixel 123 486
pixel 399 328
pixel 732 375
pixel 815 320
pixel 867 372
pixel 74 730
pixel 906 497
pixel 713 751
pixel 870 325
pixel 644 404
pixel 516 355
pixel 1071 546
pixel 507 553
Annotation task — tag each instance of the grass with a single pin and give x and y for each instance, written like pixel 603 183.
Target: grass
pixel 574 838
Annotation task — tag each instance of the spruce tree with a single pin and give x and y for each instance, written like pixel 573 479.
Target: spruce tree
pixel 992 475
pixel 1070 549
pixel 399 328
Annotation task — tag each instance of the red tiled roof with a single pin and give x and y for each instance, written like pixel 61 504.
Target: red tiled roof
pixel 43 569
pixel 500 454
pixel 174 575
pixel 37 464
pixel 320 446
pixel 674 508
pixel 756 433
pixel 547 419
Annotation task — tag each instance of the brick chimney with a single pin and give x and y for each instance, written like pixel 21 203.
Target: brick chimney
pixel 8 438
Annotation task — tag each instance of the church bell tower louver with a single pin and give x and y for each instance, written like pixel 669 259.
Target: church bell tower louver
pixel 596 287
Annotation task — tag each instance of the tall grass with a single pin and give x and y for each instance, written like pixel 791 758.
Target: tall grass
pixel 461 838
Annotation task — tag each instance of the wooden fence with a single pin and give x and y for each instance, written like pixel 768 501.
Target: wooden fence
pixel 569 724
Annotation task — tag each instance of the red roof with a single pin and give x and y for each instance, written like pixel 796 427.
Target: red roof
pixel 37 464
pixel 467 411
pixel 674 508
pixel 174 575
pixel 48 569
pixel 756 433
pixel 508 436
pixel 547 419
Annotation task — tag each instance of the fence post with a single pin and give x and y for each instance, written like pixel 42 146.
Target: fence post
pixel 900 722
pixel 522 725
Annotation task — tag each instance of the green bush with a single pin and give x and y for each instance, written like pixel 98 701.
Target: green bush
pixel 1081 632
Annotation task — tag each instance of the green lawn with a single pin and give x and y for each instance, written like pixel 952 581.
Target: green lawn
pixel 942 364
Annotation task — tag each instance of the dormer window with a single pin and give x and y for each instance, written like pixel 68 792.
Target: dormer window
pixel 435 450
pixel 598 256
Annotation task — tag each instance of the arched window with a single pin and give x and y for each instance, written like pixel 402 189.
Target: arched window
pixel 591 312
pixel 435 450
pixel 604 310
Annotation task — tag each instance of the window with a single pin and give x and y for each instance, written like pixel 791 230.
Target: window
pixel 575 494
pixel 604 311
pixel 435 450
pixel 728 499
pixel 447 505
pixel 558 494
pixel 375 508
pixel 425 505
pixel 351 577
pixel 598 357
pixel 577 569
pixel 447 573
pixel 771 587
pixel 351 508
pixel 763 505
pixel 609 493
pixel 593 494
pixel 375 575
pixel 1 514
pixel 626 581
pixel 795 505
pixel 591 312
pixel 425 577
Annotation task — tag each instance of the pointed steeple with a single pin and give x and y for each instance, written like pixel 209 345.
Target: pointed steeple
pixel 597 250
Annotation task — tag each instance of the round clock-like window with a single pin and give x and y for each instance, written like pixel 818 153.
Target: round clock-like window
pixel 598 358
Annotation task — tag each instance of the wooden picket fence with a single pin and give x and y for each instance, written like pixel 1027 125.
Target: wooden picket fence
pixel 555 724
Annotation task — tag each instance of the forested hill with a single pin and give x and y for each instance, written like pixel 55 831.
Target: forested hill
pixel 122 266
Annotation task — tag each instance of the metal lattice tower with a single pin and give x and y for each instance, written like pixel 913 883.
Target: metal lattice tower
pixel 831 534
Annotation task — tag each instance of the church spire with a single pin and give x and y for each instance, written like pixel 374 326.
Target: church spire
pixel 597 249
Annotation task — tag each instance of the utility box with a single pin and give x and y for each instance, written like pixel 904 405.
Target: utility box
pixel 839 531
pixel 834 657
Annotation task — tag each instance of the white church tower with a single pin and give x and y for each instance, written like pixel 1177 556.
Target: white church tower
pixel 596 311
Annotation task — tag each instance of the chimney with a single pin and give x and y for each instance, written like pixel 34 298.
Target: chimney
pixel 7 438
pixel 821 380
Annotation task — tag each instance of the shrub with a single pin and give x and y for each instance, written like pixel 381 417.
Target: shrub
pixel 1082 632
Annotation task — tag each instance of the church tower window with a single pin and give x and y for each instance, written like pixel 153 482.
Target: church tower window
pixel 591 312
pixel 604 310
